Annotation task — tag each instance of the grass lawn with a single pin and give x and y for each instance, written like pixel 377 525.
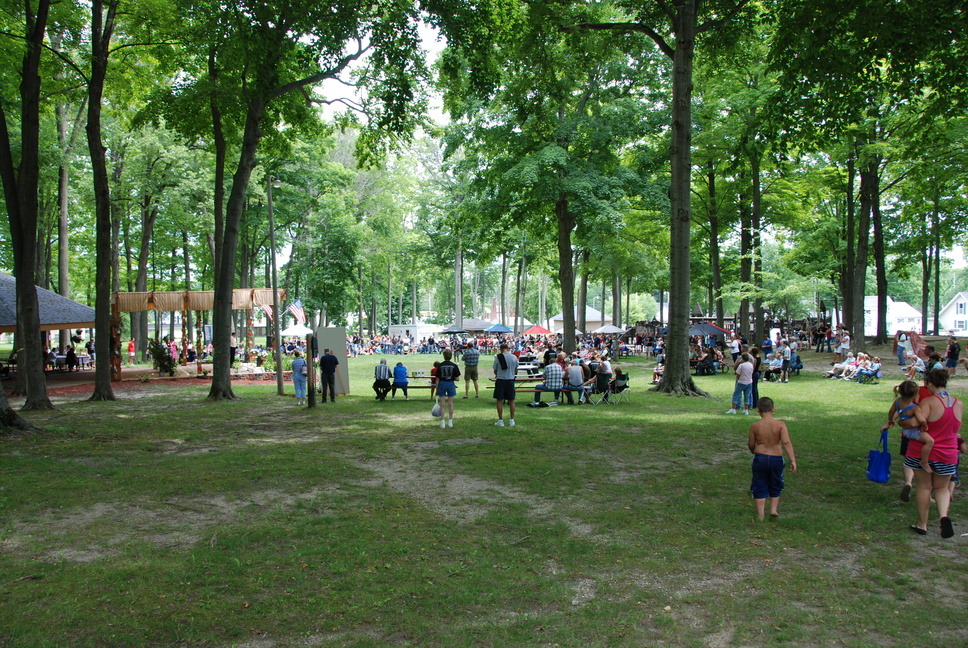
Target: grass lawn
pixel 165 520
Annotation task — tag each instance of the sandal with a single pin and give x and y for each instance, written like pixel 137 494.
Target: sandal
pixel 947 529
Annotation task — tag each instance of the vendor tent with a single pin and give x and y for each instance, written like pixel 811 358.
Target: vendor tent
pixel 497 328
pixel 298 330
pixel 474 325
pixel 608 329
pixel 56 312
pixel 536 330
pixel 706 328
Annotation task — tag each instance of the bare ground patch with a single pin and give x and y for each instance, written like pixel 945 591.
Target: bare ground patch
pixel 440 487
pixel 85 534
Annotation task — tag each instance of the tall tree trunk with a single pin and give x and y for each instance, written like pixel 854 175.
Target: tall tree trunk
pixel 359 292
pixel 756 251
pixel 926 259
pixel 186 258
pixel 880 255
pixel 459 285
pixel 63 231
pixel 414 309
pixel 616 300
pixel 715 263
pixel 543 299
pixel 937 273
pixel 858 288
pixel 225 270
pixel 566 272
pixel 602 311
pixel 522 286
pixel 20 188
pixel 504 289
pixel 628 298
pixel 221 150
pixel 677 378
pixel 102 28
pixel 849 271
pixel 746 261
pixel 389 295
pixel 149 213
pixel 582 305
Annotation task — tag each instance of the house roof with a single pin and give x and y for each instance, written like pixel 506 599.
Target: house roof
pixel 591 315
pixel 56 312
pixel 959 297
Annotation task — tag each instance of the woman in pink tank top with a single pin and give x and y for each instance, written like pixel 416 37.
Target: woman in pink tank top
pixel 943 412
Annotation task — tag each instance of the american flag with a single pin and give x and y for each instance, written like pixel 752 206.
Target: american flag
pixel 296 308
pixel 268 309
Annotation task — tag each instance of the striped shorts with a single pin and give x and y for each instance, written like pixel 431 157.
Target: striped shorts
pixel 939 468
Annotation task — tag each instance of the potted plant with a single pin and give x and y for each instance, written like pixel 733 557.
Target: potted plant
pixel 162 358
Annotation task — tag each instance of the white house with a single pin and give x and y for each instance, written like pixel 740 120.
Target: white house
pixel 954 316
pixel 901 316
pixel 593 320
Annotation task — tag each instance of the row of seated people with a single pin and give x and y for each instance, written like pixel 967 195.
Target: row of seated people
pixel 861 368
pixel 587 377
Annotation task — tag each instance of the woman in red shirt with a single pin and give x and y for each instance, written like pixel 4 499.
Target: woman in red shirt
pixel 943 412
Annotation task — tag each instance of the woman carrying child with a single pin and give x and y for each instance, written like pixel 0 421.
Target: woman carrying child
pixel 943 414
pixel 904 411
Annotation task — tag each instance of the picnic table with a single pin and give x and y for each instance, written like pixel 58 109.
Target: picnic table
pixel 83 361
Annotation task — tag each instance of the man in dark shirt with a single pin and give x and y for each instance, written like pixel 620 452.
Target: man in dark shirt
pixel 327 366
pixel 952 355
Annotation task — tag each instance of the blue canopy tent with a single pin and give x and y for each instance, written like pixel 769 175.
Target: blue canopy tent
pixel 497 328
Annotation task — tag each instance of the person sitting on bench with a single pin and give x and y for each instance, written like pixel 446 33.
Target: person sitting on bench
pixel 554 381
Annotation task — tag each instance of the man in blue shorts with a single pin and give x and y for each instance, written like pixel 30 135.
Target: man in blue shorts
pixel 505 372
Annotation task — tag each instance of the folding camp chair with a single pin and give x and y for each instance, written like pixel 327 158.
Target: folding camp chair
pixel 620 390
pixel 600 391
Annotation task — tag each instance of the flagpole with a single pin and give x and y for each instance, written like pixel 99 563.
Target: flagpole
pixel 277 320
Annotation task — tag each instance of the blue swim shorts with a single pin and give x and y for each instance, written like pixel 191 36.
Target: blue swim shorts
pixel 767 476
pixel 446 388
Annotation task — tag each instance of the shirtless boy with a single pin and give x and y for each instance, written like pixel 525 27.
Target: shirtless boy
pixel 767 440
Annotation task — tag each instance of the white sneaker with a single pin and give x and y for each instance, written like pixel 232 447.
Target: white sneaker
pixel 732 411
pixel 511 422
pixel 443 423
pixel 746 412
pixel 450 422
pixel 500 423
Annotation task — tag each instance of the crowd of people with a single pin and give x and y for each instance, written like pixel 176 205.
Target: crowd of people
pixel 549 370
pixel 357 345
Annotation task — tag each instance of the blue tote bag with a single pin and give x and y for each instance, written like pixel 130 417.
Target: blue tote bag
pixel 879 462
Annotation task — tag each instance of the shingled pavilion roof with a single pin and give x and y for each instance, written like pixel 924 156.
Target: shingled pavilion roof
pixel 56 312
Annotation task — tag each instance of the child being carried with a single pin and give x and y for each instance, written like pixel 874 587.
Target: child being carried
pixel 905 413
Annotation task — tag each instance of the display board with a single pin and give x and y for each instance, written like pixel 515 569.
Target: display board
pixel 334 339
